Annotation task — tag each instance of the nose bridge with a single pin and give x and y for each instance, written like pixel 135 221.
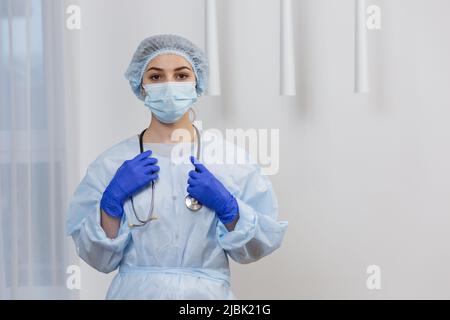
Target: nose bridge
pixel 169 75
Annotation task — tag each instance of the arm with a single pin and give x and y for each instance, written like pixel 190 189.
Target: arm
pixel 256 232
pixel 109 224
pixel 93 245
pixel 96 215
pixel 248 228
pixel 230 226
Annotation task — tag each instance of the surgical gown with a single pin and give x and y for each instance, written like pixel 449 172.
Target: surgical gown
pixel 182 254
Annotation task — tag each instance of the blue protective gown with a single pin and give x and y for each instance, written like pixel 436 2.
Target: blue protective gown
pixel 182 254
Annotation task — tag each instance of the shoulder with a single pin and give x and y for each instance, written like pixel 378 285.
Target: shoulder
pixel 121 149
pixel 109 160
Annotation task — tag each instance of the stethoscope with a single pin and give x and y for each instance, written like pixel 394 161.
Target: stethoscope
pixel 191 203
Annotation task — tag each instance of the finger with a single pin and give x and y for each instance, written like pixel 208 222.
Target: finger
pixel 145 165
pixel 148 161
pixel 151 169
pixel 191 182
pixel 194 174
pixel 190 190
pixel 143 155
pixel 149 179
pixel 152 177
pixel 198 166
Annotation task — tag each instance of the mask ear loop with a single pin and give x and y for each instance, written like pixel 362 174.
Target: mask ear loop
pixel 192 114
pixel 143 92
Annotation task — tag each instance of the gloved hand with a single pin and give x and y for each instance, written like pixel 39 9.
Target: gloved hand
pixel 204 186
pixel 132 176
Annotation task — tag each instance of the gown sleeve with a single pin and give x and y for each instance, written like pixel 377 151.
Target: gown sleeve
pixel 257 232
pixel 83 223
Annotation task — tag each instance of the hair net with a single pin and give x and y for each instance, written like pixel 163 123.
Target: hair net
pixel 156 45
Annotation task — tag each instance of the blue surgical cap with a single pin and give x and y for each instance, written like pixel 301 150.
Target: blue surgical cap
pixel 154 46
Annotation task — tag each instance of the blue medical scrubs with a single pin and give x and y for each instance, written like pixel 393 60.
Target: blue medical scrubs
pixel 182 254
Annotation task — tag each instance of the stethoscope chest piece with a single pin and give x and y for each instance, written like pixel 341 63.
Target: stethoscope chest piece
pixel 192 203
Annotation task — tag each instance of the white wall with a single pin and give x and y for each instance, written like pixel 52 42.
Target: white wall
pixel 364 179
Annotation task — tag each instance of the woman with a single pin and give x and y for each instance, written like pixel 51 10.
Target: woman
pixel 162 248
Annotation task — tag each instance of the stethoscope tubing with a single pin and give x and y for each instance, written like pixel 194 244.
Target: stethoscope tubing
pixel 191 203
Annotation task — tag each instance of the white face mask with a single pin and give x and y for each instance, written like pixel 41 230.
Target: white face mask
pixel 169 101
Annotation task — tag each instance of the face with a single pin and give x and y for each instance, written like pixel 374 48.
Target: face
pixel 168 68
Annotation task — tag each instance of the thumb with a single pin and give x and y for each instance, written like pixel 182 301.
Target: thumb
pixel 198 166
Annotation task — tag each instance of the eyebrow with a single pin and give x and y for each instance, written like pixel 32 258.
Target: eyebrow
pixel 177 69
pixel 181 68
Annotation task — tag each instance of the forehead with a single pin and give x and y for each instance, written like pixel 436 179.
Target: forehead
pixel 169 61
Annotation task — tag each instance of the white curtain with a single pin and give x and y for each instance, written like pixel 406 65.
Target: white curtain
pixel 34 252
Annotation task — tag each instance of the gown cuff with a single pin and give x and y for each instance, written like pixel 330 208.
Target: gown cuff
pixel 97 235
pixel 244 230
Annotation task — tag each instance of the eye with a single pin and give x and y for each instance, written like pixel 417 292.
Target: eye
pixel 183 76
pixel 155 77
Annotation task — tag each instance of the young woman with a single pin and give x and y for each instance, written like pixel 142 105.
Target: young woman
pixel 169 226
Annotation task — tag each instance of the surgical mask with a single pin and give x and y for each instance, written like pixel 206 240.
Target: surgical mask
pixel 169 101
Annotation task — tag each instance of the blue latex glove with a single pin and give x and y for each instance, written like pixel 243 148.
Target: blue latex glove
pixel 204 186
pixel 132 176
